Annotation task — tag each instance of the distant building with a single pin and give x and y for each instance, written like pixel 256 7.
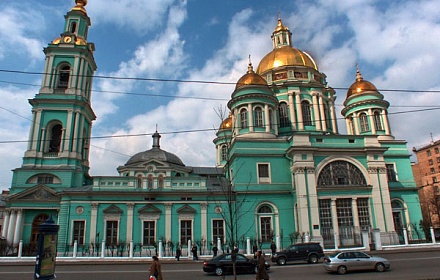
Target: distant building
pixel 427 176
pixel 3 196
pixel 283 170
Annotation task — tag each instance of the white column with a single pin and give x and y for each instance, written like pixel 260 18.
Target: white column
pixel 235 121
pixel 322 112
pixel 299 111
pixel 250 117
pixel 11 227
pixel 6 223
pixel 354 209
pixel 355 124
pixel 31 131
pixel 168 207
pixel 370 117
pixel 386 123
pixel 349 127
pixel 93 216
pixel 130 207
pixel 267 118
pixel 292 110
pixel 18 224
pixel 76 128
pixel 335 221
pixel 316 112
pixel 68 132
pixel 43 143
pixel 333 114
pixel 300 179
pixel 204 221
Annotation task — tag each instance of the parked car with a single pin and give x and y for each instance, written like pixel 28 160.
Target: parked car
pixel 311 252
pixel 342 262
pixel 222 264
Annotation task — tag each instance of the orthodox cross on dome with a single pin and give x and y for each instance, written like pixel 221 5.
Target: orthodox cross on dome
pixel 358 74
pixel 250 67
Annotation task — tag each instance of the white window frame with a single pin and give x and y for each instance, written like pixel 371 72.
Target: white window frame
pixel 264 180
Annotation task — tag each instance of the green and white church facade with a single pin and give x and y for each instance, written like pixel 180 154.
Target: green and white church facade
pixel 289 174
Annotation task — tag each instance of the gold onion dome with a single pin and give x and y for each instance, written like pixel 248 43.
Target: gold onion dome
pixel 80 4
pixel 226 123
pixel 360 85
pixel 250 78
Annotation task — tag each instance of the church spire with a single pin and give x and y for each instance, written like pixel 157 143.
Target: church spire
pixel 281 36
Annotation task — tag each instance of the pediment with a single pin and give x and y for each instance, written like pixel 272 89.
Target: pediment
pixel 113 209
pixel 186 209
pixel 149 209
pixel 36 194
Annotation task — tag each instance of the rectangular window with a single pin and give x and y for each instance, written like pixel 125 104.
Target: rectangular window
pixel 185 231
pixel 218 230
pixel 431 162
pixel 432 170
pixel 428 152
pixel 438 160
pixel 325 218
pixel 263 173
pixel 265 229
pixel 149 233
pixel 79 231
pixel 363 213
pixel 111 233
pixel 436 150
pixel 391 172
pixel 434 179
pixel 345 218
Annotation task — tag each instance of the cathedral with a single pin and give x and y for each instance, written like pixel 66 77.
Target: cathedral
pixel 283 172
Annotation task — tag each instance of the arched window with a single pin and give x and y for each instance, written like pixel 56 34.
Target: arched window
pixel 55 138
pixel 377 120
pixel 243 118
pixel 398 216
pixel 63 81
pixel 38 220
pixel 139 181
pixel 271 124
pixel 224 155
pixel 265 219
pixel 363 119
pixel 284 115
pixel 307 116
pixel 150 181
pixel 258 117
pixel 73 27
pixel 160 181
pixel 341 173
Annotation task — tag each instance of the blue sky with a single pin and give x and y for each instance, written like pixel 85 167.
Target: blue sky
pixel 395 44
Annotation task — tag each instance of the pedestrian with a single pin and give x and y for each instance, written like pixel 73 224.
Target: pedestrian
pixel 215 250
pixel 155 269
pixel 254 250
pixel 236 249
pixel 178 253
pixel 261 272
pixel 194 252
pixel 273 248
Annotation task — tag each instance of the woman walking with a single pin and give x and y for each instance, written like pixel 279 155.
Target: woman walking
pixel 155 269
pixel 261 272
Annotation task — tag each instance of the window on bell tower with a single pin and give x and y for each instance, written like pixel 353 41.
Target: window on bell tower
pixel 307 116
pixel 55 138
pixel 364 122
pixel 63 81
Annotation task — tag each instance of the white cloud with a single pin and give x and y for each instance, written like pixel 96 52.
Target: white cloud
pixel 136 15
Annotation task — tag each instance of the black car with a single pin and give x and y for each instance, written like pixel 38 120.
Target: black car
pixel 310 252
pixel 222 264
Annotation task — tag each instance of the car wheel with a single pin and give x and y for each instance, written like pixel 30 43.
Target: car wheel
pixel 281 261
pixel 380 267
pixel 313 259
pixel 342 269
pixel 219 271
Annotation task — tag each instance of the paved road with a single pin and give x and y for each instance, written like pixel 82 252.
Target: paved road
pixel 404 266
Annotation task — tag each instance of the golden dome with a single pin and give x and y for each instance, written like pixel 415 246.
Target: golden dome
pixel 250 78
pixel 360 85
pixel 285 56
pixel 80 4
pixel 226 123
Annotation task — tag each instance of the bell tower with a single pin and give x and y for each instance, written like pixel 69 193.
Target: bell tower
pixel 58 149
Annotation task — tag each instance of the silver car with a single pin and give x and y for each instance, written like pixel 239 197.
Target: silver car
pixel 342 262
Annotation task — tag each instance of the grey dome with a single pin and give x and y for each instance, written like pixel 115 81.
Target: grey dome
pixel 155 154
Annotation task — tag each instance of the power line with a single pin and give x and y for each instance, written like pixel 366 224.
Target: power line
pixel 192 81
